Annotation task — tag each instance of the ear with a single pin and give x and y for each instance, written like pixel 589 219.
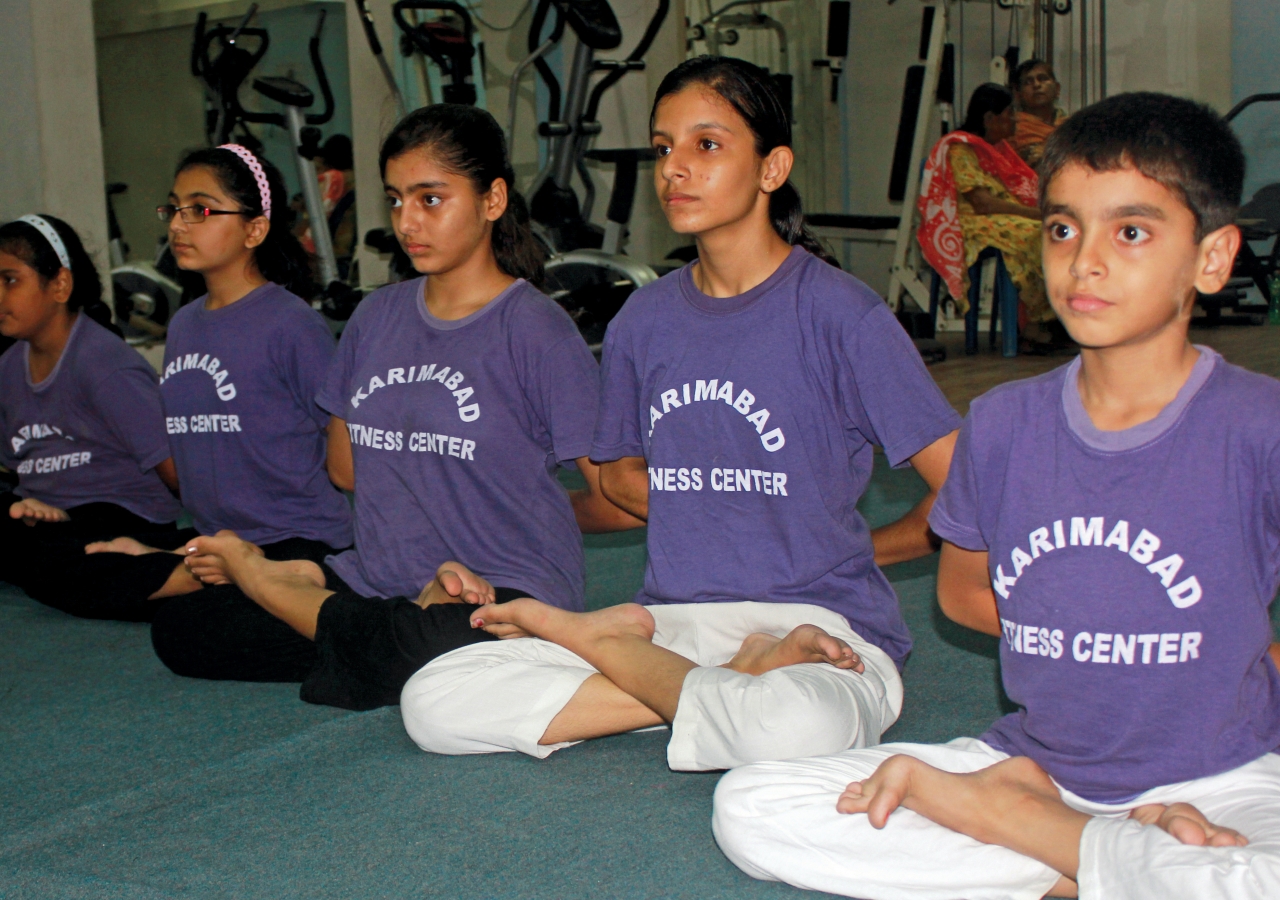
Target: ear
pixel 776 169
pixel 495 200
pixel 1216 257
pixel 61 285
pixel 256 231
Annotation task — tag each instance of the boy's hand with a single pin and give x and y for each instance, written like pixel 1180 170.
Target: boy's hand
pixel 32 511
pixel 1188 825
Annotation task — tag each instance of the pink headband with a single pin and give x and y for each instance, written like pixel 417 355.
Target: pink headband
pixel 264 189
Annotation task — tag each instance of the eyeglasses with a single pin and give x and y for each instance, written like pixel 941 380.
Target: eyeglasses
pixel 192 214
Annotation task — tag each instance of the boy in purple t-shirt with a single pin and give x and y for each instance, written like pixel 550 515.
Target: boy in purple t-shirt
pixel 1116 523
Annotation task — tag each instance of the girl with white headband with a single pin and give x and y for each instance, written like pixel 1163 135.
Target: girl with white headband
pixel 242 367
pixel 80 418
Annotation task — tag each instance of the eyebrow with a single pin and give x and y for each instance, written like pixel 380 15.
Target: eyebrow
pixel 701 126
pixel 1130 211
pixel 197 195
pixel 1137 210
pixel 420 186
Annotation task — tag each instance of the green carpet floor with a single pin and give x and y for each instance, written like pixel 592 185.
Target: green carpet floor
pixel 121 780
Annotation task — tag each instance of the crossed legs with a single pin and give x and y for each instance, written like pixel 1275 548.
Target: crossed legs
pixel 638 682
pixel 181 580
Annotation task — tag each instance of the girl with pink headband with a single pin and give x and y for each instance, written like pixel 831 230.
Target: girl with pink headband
pixel 242 367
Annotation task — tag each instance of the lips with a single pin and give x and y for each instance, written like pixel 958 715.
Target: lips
pixel 1087 303
pixel 678 199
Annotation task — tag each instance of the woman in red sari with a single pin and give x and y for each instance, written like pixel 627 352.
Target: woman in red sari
pixel 978 193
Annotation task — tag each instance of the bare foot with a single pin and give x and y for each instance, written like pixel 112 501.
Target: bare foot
pixel 1188 825
pixel 123 545
pixel 225 558
pixel 455 583
pixel 32 512
pixel 762 653
pixel 525 616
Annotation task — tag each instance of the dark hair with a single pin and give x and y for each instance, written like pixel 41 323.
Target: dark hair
pixel 986 98
pixel 469 142
pixel 1183 145
pixel 22 240
pixel 280 258
pixel 1024 67
pixel 750 91
pixel 336 152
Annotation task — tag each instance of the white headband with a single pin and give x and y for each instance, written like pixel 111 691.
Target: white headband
pixel 40 224
pixel 260 176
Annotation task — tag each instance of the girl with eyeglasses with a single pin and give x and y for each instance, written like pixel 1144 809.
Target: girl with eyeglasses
pixel 242 368
pixel 81 422
pixel 456 396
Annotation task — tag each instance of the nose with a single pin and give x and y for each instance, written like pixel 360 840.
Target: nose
pixel 672 167
pixel 1088 263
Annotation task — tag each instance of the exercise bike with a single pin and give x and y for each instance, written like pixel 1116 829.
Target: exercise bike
pixel 448 42
pixel 587 272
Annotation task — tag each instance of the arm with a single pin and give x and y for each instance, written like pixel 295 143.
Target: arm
pixel 625 482
pixel 910 537
pixel 338 461
pixel 593 510
pixel 168 473
pixel 985 203
pixel 964 590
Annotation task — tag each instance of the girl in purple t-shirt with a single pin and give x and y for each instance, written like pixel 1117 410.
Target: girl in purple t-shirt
pixel 80 419
pixel 454 399
pixel 742 398
pixel 241 368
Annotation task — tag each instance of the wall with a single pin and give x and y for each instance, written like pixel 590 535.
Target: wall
pixel 51 154
pixel 153 107
pixel 1255 69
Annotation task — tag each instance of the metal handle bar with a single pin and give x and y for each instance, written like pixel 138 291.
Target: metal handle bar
pixel 1249 101
pixel 410 29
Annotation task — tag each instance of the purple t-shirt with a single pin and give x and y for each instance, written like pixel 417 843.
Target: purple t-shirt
pixel 758 415
pixel 92 431
pixel 239 386
pixel 1133 571
pixel 457 428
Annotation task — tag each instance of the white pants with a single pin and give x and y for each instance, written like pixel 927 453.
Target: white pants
pixel 502 695
pixel 777 821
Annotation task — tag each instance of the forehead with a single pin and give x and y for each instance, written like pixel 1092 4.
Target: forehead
pixel 418 167
pixel 1087 191
pixel 693 105
pixel 9 262
pixel 198 180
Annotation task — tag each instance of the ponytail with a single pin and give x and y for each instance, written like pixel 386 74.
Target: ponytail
pixel 24 241
pixel 750 90
pixel 469 142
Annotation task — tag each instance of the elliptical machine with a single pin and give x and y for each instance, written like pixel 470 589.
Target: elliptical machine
pixel 452 49
pixel 587 273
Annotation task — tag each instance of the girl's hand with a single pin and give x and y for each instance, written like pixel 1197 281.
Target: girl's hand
pixel 32 511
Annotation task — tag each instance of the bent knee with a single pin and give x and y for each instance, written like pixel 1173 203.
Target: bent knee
pixel 435 709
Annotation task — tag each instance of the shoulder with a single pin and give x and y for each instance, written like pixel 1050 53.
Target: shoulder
pixel 834 292
pixel 533 320
pixel 1231 390
pixel 388 300
pixel 108 352
pixel 1001 408
pixel 281 309
pixel 646 302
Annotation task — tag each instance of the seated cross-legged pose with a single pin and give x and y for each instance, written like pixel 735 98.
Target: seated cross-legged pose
pixel 80 419
pixel 742 397
pixel 455 397
pixel 242 366
pixel 1115 521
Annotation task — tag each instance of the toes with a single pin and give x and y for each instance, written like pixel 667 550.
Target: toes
pixel 451 582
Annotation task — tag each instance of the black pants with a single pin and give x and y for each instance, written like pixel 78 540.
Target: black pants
pixel 365 648
pixel 48 561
